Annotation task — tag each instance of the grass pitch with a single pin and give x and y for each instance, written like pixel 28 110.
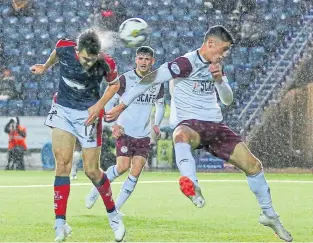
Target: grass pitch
pixel 157 211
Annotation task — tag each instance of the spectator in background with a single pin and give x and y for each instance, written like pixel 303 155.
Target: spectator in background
pixel 112 14
pixel 7 87
pixel 252 30
pixel 22 7
pixel 247 6
pixel 225 6
pixel 17 144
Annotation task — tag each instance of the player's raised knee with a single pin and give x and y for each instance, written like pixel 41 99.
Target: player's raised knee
pixel 254 166
pixel 181 135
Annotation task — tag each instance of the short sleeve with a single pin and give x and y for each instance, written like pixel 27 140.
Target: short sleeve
pixel 180 67
pixel 111 74
pixel 122 88
pixel 63 43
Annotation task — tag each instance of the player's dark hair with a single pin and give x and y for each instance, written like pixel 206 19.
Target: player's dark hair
pixel 221 32
pixel 90 41
pixel 145 50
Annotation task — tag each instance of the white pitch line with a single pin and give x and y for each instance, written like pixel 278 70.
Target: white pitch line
pixel 157 182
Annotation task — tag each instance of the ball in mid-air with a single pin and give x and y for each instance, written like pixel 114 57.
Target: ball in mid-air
pixel 134 32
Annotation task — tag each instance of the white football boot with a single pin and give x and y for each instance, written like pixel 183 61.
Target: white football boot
pixel 61 232
pixel 117 225
pixel 275 224
pixel 91 198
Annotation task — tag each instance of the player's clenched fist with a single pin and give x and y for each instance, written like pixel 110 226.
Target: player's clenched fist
pixel 38 69
pixel 216 71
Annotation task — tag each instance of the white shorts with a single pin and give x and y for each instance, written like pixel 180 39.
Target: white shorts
pixel 73 121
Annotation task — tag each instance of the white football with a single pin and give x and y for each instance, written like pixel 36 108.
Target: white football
pixel 134 32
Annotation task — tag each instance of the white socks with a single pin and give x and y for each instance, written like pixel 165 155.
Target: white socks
pixel 126 190
pixel 185 161
pixel 260 188
pixel 112 173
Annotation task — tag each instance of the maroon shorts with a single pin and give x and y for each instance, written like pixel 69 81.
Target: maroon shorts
pixel 129 146
pixel 216 138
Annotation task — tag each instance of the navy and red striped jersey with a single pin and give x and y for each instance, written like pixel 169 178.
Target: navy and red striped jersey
pixel 79 88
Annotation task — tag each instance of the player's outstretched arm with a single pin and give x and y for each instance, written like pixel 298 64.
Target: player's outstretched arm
pixel 42 68
pixel 161 75
pixel 95 109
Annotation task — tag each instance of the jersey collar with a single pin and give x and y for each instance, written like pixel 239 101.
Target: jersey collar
pixel 137 74
pixel 201 58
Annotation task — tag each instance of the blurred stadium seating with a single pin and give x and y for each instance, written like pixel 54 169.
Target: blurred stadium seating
pixel 178 26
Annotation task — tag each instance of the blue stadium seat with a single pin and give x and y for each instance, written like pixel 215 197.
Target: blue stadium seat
pixel 183 26
pixel 270 40
pixel 39 28
pixel 84 12
pixel 15 69
pixel 3 107
pixel 178 13
pixel 69 6
pixel 240 56
pixel 229 71
pixel 156 34
pixel 256 56
pixel 29 37
pixel 269 21
pixel 41 5
pixel 150 12
pixel 244 76
pixel 25 30
pixel 43 20
pixel 30 90
pixel 7 29
pixel 60 35
pixel 234 85
pixel 55 9
pixel 154 43
pixel 44 37
pixel 46 89
pixel 11 51
pixel 131 13
pixel 71 32
pixel 30 56
pixel 159 51
pixel 69 15
pixel 12 20
pixel 15 108
pixel 31 107
pixel 27 20
pixel 152 4
pixel 45 105
pixel 53 30
pixel 58 20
